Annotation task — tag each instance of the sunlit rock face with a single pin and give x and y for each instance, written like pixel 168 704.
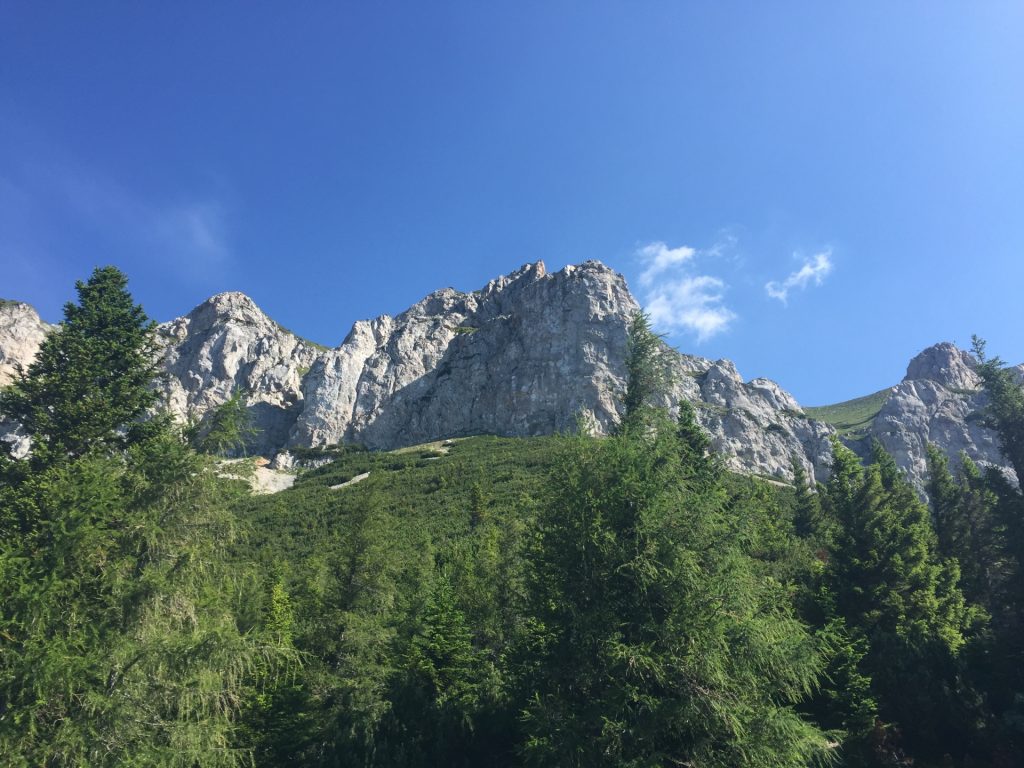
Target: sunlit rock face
pixel 226 344
pixel 530 353
pixel 939 401
pixel 21 333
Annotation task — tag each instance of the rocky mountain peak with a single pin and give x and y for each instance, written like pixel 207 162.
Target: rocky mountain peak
pixel 227 307
pixel 21 333
pixel 526 273
pixel 945 364
pixel 530 353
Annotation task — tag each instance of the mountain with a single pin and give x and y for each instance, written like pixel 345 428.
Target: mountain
pixel 21 333
pixel 530 353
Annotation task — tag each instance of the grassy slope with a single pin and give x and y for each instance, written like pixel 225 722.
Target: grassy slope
pixel 424 493
pixel 853 417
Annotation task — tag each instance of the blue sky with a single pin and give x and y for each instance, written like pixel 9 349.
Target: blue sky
pixel 814 190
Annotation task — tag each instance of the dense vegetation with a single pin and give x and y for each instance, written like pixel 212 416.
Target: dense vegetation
pixel 567 600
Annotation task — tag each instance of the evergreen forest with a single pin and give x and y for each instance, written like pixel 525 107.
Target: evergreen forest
pixel 554 601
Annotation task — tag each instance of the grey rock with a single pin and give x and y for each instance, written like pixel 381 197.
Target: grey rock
pixel 945 364
pixel 531 353
pixel 939 401
pixel 228 343
pixel 21 333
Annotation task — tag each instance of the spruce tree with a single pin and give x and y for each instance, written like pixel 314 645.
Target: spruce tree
pixel 660 644
pixel 646 371
pixel 806 507
pixel 118 638
pixel 1004 413
pixel 90 384
pixel 886 582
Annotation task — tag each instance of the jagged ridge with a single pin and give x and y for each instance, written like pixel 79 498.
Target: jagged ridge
pixel 531 353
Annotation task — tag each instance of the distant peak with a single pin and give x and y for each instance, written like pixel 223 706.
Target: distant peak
pixel 228 304
pixel 227 307
pixel 945 364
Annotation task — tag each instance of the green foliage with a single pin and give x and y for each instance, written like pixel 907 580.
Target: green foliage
pixel 119 642
pixel 884 580
pixel 89 385
pixel 1005 409
pixel 646 372
pixel 226 429
pixel 659 644
pixel 807 510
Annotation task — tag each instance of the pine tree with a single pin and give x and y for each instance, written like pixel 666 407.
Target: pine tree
pixel 1004 413
pixel 944 497
pixel 646 371
pixel 226 429
pixel 1005 410
pixel 806 507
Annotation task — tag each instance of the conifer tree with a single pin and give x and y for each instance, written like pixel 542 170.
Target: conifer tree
pixel 646 371
pixel 118 638
pixel 227 428
pixel 659 642
pixel 90 383
pixel 886 582
pixel 807 507
pixel 1005 414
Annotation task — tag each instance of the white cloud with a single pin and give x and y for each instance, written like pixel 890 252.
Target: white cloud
pixel 692 303
pixel 659 258
pixel 676 297
pixel 814 270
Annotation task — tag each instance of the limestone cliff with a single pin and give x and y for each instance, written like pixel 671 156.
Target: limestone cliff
pixel 530 353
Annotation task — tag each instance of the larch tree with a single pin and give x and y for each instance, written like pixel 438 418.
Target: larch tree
pixel 659 643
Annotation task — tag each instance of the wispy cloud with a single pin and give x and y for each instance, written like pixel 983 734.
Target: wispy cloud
pixel 52 207
pixel 677 298
pixel 659 257
pixel 692 304
pixel 189 233
pixel 814 270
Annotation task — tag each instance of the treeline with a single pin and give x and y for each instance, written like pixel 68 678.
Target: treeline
pixel 572 601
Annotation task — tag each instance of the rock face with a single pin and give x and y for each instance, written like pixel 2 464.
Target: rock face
pixel 523 356
pixel 937 402
pixel 227 343
pixel 531 353
pixel 21 333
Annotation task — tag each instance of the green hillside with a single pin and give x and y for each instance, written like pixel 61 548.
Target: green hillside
pixel 852 417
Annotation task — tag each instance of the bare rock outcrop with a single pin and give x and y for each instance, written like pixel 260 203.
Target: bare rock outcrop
pixel 225 344
pixel 939 401
pixel 21 333
pixel 530 353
